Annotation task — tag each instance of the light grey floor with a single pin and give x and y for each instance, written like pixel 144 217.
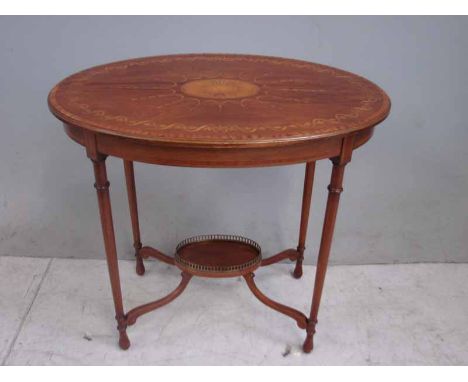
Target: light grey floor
pixel 60 312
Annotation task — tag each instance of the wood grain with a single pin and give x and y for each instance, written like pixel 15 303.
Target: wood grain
pixel 217 100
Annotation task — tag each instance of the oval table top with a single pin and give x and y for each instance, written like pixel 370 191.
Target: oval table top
pixel 215 101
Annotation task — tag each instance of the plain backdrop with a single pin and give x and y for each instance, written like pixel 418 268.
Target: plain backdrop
pixel 406 191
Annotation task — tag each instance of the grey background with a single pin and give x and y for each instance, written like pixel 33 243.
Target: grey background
pixel 406 191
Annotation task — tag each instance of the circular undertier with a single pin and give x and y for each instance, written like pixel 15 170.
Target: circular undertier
pixel 218 255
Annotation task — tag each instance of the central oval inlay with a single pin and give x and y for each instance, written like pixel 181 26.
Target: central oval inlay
pixel 219 88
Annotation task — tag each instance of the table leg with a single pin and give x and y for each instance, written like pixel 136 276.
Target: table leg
pixel 334 191
pixel 132 203
pixel 306 198
pixel 102 189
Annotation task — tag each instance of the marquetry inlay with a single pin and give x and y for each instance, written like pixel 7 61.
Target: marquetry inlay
pixel 219 88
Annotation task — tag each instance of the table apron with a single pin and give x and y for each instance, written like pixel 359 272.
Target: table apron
pixel 213 157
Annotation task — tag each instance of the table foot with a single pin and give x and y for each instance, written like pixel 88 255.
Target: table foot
pixel 308 345
pixel 298 268
pixel 140 267
pixel 309 341
pixel 124 342
pixel 297 271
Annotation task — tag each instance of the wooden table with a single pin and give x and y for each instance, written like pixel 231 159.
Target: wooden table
pixel 213 110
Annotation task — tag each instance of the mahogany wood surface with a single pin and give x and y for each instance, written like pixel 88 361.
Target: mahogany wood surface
pixel 218 256
pixel 306 199
pixel 102 189
pixel 218 110
pixel 132 202
pixel 334 190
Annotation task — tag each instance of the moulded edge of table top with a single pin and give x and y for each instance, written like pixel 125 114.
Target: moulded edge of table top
pixel 380 115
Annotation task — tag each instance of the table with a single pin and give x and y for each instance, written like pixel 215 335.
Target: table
pixel 224 111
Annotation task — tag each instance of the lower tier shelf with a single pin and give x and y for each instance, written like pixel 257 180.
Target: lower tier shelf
pixel 218 256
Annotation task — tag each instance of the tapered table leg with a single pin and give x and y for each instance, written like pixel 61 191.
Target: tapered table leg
pixel 306 198
pixel 102 188
pixel 132 203
pixel 334 191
